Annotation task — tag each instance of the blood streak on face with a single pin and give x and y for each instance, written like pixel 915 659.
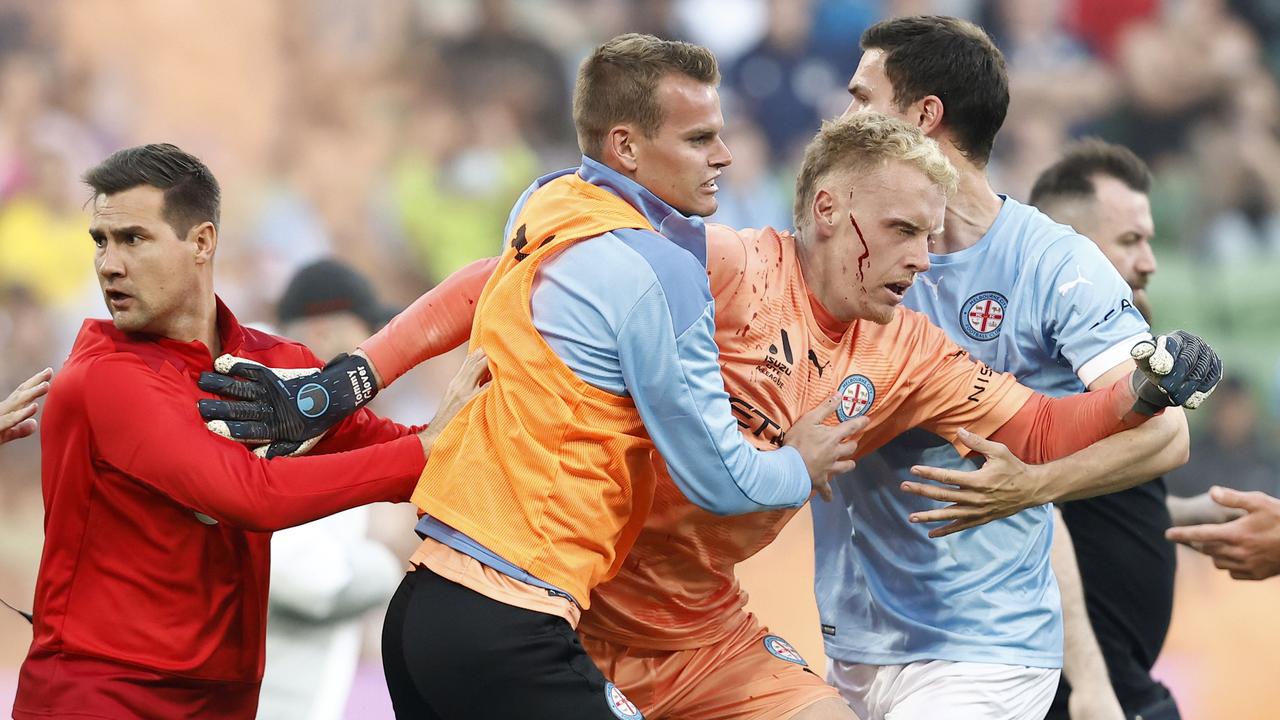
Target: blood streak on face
pixel 866 251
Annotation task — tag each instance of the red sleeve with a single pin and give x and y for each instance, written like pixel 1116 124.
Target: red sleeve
pixel 362 429
pixel 1048 428
pixel 434 324
pixel 154 437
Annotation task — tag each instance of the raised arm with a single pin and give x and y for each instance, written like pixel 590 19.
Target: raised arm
pixel 266 405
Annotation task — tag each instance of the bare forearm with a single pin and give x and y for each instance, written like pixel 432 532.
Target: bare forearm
pixel 1122 460
pixel 1082 661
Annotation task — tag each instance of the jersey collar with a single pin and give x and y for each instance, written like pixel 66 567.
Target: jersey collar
pixel 689 232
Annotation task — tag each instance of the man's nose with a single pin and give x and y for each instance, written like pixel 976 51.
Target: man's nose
pixel 110 262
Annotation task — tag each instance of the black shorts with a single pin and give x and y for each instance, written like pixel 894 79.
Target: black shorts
pixel 450 653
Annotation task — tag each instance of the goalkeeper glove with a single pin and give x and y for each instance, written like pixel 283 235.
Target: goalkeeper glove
pixel 286 408
pixel 1175 369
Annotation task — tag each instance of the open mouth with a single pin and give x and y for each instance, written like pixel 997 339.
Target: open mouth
pixel 898 289
pixel 116 298
pixel 710 185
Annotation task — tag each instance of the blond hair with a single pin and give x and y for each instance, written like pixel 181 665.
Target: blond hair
pixel 859 143
pixel 618 84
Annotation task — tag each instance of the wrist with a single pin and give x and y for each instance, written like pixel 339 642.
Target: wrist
pixel 373 369
pixel 1044 482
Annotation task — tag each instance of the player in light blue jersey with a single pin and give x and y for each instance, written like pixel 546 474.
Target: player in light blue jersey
pixel 921 623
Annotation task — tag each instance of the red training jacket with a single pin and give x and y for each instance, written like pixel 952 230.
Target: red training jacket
pixel 142 608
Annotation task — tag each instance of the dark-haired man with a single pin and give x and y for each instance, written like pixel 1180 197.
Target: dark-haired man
pixel 1126 567
pixel 913 620
pixel 152 592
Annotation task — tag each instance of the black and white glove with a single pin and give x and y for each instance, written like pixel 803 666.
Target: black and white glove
pixel 1174 369
pixel 287 410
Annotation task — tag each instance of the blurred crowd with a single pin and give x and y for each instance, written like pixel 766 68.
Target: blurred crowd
pixel 395 134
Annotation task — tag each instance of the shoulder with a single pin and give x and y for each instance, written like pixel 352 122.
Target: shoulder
pixel 1035 234
pixel 647 256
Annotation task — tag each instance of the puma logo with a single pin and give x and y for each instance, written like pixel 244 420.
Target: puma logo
pixel 1066 287
pixel 932 285
pixel 813 358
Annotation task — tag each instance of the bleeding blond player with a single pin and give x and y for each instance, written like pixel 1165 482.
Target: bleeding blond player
pixel 798 319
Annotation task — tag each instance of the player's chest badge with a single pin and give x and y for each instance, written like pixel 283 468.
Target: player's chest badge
pixel 983 314
pixel 857 392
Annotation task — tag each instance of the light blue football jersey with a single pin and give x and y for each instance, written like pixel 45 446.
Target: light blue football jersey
pixel 1032 298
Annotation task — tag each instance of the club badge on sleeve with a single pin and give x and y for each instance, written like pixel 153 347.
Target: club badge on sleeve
pixel 783 650
pixel 619 704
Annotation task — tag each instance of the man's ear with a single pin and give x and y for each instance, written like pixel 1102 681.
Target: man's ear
pixel 620 151
pixel 204 241
pixel 824 212
pixel 927 114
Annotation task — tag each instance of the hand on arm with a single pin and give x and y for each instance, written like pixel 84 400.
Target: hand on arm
pixel 269 406
pixel 1078 468
pixel 1247 547
pixel 18 411
pixel 219 478
pixel 826 449
pixel 1092 697
pixel 288 409
pixel 470 380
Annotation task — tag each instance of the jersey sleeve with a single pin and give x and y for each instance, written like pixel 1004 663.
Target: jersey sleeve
pixel 155 438
pixel 670 364
pixel 951 390
pixel 1089 317
pixel 437 322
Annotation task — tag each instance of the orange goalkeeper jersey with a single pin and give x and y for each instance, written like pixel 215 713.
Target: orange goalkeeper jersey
pixel 677 588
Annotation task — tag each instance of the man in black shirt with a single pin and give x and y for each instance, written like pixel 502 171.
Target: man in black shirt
pixel 1125 564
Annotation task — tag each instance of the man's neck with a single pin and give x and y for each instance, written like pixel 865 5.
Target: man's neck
pixel 971 211
pixel 200 324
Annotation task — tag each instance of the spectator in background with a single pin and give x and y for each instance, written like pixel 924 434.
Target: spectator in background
pixel 458 171
pixel 752 196
pixel 1167 93
pixel 499 60
pixel 1237 152
pixel 325 574
pixel 1230 450
pixel 783 85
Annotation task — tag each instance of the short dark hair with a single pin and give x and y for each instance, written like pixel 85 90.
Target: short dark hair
pixel 955 60
pixel 1072 175
pixel 191 192
pixel 618 83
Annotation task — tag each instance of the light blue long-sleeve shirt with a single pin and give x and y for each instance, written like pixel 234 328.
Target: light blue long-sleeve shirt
pixel 631 313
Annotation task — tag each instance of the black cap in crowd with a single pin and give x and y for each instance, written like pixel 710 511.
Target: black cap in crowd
pixel 329 286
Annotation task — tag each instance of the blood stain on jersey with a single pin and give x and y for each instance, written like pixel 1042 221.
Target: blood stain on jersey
pixel 857 393
pixel 619 704
pixel 982 315
pixel 783 650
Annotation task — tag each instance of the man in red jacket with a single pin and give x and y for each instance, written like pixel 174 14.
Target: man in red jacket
pixel 152 595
